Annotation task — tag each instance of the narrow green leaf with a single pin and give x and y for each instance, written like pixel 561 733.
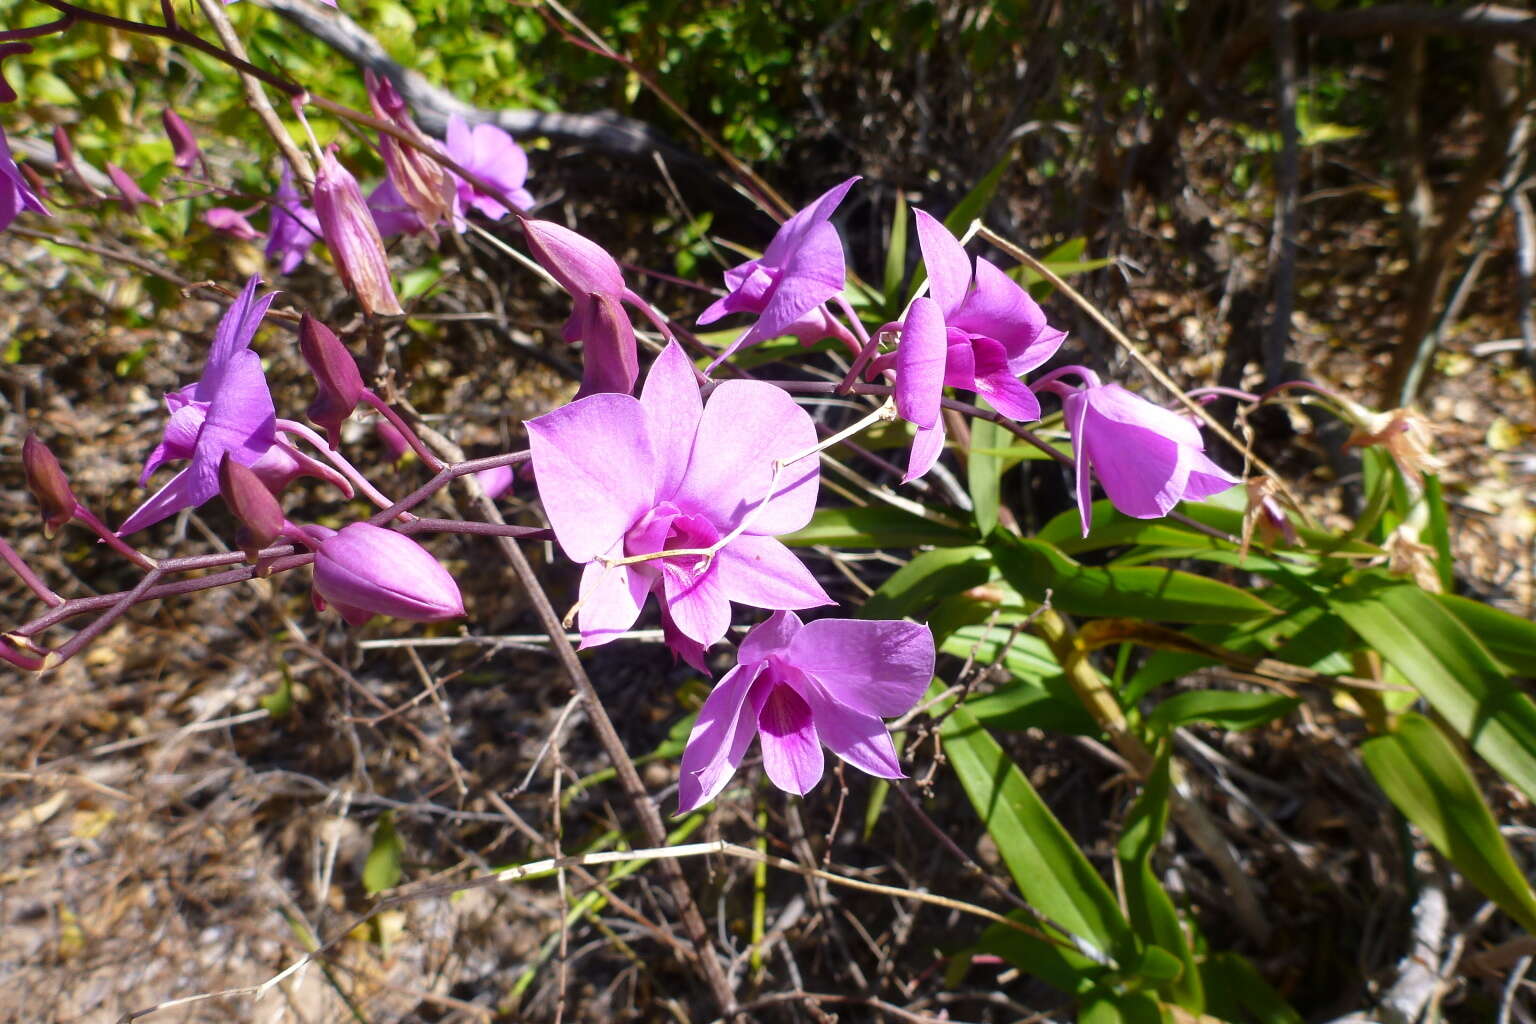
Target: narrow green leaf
pixel 1143 592
pixel 1422 773
pixel 896 257
pixel 874 526
pixel 1508 638
pixel 382 868
pixel 1441 659
pixel 1122 1008
pixel 1229 709
pixel 984 474
pixel 928 577
pixel 1049 869
pixel 1239 992
pixel 974 204
pixel 1438 534
pixel 1055 965
pixel 1151 909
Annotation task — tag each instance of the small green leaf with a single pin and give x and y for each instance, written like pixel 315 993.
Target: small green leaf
pixel 1422 773
pixel 1144 592
pixel 279 703
pixel 874 526
pixel 1229 709
pixel 984 473
pixel 896 257
pixel 382 868
pixel 1441 659
pixel 1238 992
pixel 1049 869
pixel 974 204
pixel 1056 965
pixel 927 578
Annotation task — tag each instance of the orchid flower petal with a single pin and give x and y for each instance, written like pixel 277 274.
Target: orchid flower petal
pixel 927 446
pixel 920 363
pixel 762 572
pixel 860 739
pixel 696 601
pixel 876 668
pixel 719 740
pixel 771 636
pixel 791 750
pixel 611 597
pixel 575 451
pixel 673 408
pixel 949 269
pixel 995 381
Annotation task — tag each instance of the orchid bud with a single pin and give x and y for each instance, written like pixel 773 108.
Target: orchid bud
pixel 341 386
pixel 183 142
pixel 249 501
pixel 609 360
pixel 496 482
pixel 231 222
pixel 353 238
pixel 64 156
pixel 365 570
pixel 390 437
pixel 132 195
pixel 580 265
pixel 420 180
pixel 48 484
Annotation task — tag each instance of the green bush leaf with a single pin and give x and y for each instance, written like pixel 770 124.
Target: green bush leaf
pixel 1049 869
pixel 1508 638
pixel 1142 592
pixel 984 473
pixel 1441 659
pixel 382 868
pixel 874 526
pixel 1238 992
pixel 1422 773
pixel 928 577
pixel 1229 709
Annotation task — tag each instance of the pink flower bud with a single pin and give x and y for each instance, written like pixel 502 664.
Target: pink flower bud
pixel 353 238
pixel 341 386
pixel 231 222
pixel 496 481
pixel 249 501
pixel 132 195
pixel 64 155
pixel 48 484
pixel 183 142
pixel 365 570
pixel 390 437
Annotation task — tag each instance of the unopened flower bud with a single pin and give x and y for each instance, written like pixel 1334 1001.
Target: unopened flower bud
pixel 365 570
pixel 340 385
pixel 48 484
pixel 496 482
pixel 353 238
pixel 580 265
pixel 250 502
pixel 183 142
pixel 231 222
pixel 390 437
pixel 132 195
pixel 64 156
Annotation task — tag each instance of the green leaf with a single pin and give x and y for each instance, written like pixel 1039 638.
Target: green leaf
pixel 927 578
pixel 1053 964
pixel 1422 773
pixel 1508 637
pixel 1438 532
pixel 1229 709
pixel 896 257
pixel 874 526
pixel 1022 706
pixel 1140 592
pixel 1126 1008
pixel 279 703
pixel 1151 910
pixel 1049 869
pixel 975 202
pixel 984 473
pixel 382 868
pixel 1238 992
pixel 1441 659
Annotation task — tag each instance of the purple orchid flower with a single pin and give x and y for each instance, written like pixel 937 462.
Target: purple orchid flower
pixel 391 213
pixel 492 154
pixel 15 194
pixel 979 331
pixel 800 687
pixel 789 284
pixel 624 479
pixel 292 227
pixel 228 410
pixel 1147 458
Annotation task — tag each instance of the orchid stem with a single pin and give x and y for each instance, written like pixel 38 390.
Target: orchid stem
pixel 422 451
pixel 30 578
pixel 336 459
pixel 113 541
pixel 865 354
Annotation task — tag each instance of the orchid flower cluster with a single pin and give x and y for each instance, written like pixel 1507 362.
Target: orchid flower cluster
pixel 682 491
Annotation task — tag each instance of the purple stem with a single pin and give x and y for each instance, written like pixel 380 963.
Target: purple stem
pixel 21 659
pixel 859 333
pixel 113 541
pixel 1048 382
pixel 477 528
pixel 659 322
pixel 422 451
pixel 865 354
pixel 337 459
pixel 1216 391
pixel 127 600
pixel 30 578
pixel 35 31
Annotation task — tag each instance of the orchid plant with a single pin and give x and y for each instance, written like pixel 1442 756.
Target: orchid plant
pixel 684 477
